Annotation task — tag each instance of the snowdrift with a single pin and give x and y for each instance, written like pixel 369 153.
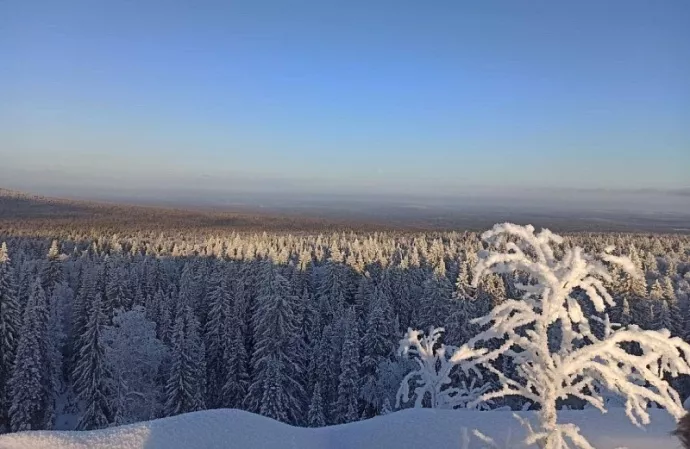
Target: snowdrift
pixel 416 428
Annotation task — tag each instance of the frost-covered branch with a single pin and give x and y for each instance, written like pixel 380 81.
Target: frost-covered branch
pixel 549 338
pixel 432 377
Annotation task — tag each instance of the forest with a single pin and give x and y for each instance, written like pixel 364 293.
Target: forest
pixel 100 328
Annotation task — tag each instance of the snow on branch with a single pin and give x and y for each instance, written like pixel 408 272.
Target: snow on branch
pixel 432 377
pixel 548 336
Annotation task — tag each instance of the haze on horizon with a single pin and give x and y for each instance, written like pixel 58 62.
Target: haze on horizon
pixel 185 99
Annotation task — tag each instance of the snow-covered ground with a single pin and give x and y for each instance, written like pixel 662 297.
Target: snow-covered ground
pixel 415 428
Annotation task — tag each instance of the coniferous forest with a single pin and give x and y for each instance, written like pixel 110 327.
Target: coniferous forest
pixel 101 325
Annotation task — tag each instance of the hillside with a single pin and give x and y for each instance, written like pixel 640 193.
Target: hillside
pixel 417 428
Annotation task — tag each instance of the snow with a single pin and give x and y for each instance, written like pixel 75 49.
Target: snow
pixel 412 428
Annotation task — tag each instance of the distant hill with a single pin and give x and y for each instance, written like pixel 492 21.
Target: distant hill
pixel 337 214
pixel 40 211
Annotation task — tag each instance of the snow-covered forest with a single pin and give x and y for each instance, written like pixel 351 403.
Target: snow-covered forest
pixel 99 328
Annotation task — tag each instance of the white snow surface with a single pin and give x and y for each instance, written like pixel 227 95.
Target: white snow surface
pixel 412 428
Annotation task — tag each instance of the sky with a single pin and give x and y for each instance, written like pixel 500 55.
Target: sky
pixel 351 96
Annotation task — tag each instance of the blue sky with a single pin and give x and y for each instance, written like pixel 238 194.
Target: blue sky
pixel 314 95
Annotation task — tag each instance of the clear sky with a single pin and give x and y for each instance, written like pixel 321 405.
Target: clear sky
pixel 320 95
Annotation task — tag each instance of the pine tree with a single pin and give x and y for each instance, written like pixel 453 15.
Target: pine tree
pixel 9 328
pixel 185 388
pixel 437 293
pixel 275 403
pixel 215 338
pixel 333 290
pixel 32 406
pixel 276 331
pixel 56 334
pixel 377 345
pixel 117 292
pixel 52 274
pixel 80 311
pixel 656 292
pixel 237 380
pixel 91 376
pixel 667 287
pixel 662 315
pixel 326 363
pixel 133 355
pixel 315 416
pixel 348 390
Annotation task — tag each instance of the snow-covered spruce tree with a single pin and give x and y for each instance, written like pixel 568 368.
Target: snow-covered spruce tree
pixel 51 273
pixel 377 345
pixel 234 390
pixel 117 292
pixel 91 377
pixel 80 312
pixel 315 416
pixel 348 388
pixel 185 387
pixel 580 362
pixel 10 321
pixel 133 356
pixel 274 363
pixel 215 337
pixel 31 405
pixel 432 378
pixel 235 358
pixel 56 336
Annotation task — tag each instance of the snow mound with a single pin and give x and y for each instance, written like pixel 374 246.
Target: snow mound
pixel 415 428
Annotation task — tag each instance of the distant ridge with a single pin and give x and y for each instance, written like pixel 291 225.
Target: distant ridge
pixel 34 211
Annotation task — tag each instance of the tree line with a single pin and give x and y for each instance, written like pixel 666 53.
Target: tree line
pixel 302 328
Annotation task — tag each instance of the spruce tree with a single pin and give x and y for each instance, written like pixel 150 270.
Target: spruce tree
pixel 31 407
pixel 10 322
pixel 51 273
pixel 80 311
pixel 348 390
pixel 237 379
pixel 276 331
pixel 185 388
pixel 315 415
pixel 117 292
pixel 215 338
pixel 91 376
pixel 275 402
pixel 377 345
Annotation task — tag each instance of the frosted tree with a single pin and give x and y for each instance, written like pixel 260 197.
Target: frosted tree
pixel 215 337
pixel 438 292
pixel 55 333
pixel 234 390
pixel 91 376
pixel 315 415
pixel 348 389
pixel 133 356
pixel 275 402
pixel 185 387
pixel 10 321
pixel 80 311
pixel 51 273
pixel 432 378
pixel 117 294
pixel 31 406
pixel 276 330
pixel 580 364
pixel 377 345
